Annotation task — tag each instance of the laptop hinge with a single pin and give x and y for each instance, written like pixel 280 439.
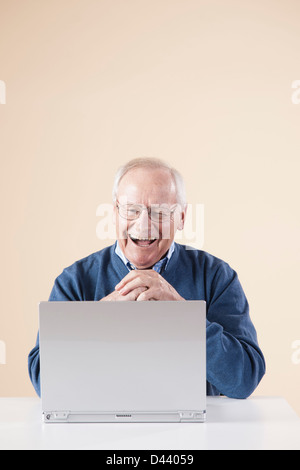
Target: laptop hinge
pixel 186 416
pixel 56 416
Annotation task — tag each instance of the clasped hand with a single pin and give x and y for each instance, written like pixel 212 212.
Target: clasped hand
pixel 143 285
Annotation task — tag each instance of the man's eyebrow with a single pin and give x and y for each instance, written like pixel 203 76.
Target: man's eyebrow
pixel 128 202
pixel 141 204
pixel 133 203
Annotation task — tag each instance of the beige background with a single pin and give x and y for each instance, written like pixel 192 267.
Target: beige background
pixel 206 85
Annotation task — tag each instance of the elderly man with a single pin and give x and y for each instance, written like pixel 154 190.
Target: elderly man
pixel 146 264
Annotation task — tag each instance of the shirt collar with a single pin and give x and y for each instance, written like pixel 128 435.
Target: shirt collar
pixel 162 263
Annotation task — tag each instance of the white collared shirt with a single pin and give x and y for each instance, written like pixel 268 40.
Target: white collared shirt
pixel 158 267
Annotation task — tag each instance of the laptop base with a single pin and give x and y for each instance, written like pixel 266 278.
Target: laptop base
pixel 125 417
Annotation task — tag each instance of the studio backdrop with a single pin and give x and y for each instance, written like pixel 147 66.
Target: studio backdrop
pixel 210 86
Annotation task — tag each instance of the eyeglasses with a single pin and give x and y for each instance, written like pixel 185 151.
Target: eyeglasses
pixel 156 212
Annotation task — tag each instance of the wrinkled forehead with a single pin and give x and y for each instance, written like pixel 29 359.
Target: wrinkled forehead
pixel 147 186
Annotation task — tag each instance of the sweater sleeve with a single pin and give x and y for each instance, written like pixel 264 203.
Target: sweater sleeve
pixel 65 289
pixel 235 363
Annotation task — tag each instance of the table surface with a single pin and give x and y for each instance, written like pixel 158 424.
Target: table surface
pixel 257 423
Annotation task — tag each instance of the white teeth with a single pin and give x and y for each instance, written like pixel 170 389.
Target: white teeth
pixel 143 239
pixel 146 239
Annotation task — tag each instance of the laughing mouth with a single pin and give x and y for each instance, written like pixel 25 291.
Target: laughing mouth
pixel 142 241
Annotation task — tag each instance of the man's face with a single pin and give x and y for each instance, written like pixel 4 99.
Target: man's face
pixel 145 241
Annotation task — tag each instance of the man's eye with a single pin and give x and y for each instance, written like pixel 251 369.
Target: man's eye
pixel 160 214
pixel 132 211
pixel 157 213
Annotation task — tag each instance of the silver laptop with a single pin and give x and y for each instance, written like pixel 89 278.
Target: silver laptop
pixel 123 361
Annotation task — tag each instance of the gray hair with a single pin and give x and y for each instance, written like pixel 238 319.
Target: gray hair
pixel 150 162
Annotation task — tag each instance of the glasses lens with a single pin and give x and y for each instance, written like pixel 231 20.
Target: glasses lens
pixel 129 212
pixel 160 215
pixel 157 214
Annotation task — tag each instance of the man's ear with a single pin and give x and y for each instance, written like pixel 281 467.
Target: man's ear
pixel 182 217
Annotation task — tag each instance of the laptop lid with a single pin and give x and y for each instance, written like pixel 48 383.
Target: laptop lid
pixel 123 361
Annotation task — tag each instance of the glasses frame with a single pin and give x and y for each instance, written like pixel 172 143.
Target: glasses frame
pixel 148 209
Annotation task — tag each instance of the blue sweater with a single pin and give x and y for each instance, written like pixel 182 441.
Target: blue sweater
pixel 235 363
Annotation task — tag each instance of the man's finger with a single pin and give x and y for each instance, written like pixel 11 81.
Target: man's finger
pixel 134 284
pixel 134 294
pixel 146 295
pixel 131 275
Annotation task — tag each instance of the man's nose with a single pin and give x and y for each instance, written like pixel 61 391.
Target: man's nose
pixel 144 224
pixel 144 219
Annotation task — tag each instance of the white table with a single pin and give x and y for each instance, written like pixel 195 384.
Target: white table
pixel 257 423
